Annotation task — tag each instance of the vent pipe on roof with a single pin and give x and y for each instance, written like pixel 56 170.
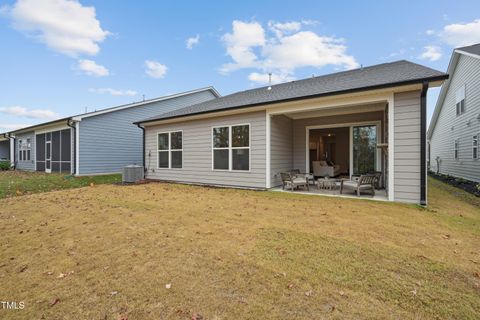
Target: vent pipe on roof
pixel 269 81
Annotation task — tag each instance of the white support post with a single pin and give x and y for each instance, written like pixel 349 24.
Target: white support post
pixel 350 160
pixel 12 152
pixel 268 148
pixel 391 148
pixel 77 148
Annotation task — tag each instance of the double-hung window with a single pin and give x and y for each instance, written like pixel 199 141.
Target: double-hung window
pixel 460 100
pixel 24 149
pixel 475 147
pixel 28 150
pixel 231 148
pixel 455 149
pixel 170 150
pixel 20 150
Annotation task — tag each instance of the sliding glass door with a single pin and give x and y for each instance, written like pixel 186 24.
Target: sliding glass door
pixel 364 149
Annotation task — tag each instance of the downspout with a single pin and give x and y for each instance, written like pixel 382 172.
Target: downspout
pixel 12 161
pixel 143 147
pixel 71 124
pixel 423 144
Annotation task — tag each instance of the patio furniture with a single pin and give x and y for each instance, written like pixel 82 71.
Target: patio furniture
pixel 322 169
pixel 293 181
pixel 327 183
pixel 364 182
pixel 310 178
pixel 379 180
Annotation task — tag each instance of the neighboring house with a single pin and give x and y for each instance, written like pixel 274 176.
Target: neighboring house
pixel 4 147
pixel 247 138
pixel 454 130
pixel 97 142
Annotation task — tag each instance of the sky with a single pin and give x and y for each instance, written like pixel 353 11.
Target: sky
pixel 63 57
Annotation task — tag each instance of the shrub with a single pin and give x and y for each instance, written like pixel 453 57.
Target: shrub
pixel 4 165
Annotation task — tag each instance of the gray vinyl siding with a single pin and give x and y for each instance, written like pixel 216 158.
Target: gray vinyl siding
pixel 449 126
pixel 25 165
pixel 5 149
pixel 281 148
pixel 110 141
pixel 197 152
pixel 299 131
pixel 407 147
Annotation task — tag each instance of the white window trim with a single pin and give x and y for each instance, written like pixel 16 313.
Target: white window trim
pixel 230 148
pixel 24 146
pixel 169 150
pixel 350 125
pixel 459 98
pixel 458 107
pixel 456 149
pixel 28 148
pixel 20 142
pixel 475 138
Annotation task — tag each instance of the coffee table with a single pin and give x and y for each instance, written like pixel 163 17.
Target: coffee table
pixel 327 183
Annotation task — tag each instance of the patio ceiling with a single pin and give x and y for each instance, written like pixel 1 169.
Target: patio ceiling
pixel 337 110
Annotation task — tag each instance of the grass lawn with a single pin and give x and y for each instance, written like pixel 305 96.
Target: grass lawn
pixel 15 183
pixel 165 251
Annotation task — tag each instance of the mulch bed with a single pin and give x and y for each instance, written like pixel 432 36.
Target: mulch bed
pixel 467 185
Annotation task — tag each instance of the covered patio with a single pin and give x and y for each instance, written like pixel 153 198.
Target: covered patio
pixel 330 143
pixel 380 195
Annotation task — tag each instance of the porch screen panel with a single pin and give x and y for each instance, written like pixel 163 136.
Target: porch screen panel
pixel 56 151
pixel 56 146
pixel 41 166
pixel 40 152
pixel 66 167
pixel 66 148
pixel 55 166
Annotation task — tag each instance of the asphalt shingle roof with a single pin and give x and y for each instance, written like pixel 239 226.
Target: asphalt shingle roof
pixel 474 49
pixel 382 75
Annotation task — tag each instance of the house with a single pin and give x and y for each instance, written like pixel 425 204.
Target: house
pixel 98 142
pixel 4 147
pixel 371 119
pixel 454 130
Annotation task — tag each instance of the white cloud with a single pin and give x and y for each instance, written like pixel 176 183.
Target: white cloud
pixel 4 127
pixel 91 68
pixel 192 41
pixel 304 49
pixel 310 22
pixel 240 44
pixel 113 92
pixel 432 53
pixel 155 69
pixel 18 111
pixel 287 49
pixel 282 28
pixel 461 34
pixel 430 32
pixel 65 26
pixel 263 78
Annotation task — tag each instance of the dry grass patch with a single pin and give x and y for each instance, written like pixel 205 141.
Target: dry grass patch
pixel 233 254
